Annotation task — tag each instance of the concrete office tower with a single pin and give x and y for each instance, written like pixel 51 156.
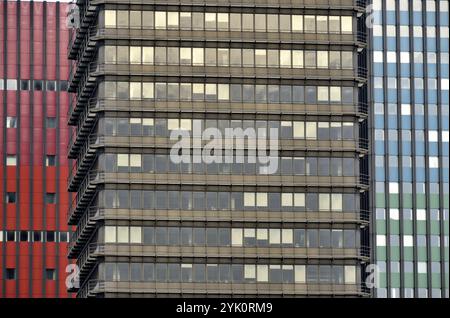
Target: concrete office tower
pixel 410 152
pixel 148 226
pixel 34 136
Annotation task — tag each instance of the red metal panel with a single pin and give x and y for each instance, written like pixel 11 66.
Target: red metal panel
pixel 31 123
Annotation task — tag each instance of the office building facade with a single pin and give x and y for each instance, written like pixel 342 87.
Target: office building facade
pixel 148 226
pixel 410 111
pixel 34 135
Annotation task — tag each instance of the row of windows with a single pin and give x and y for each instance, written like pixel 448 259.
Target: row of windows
pixel 415 5
pixel 227 273
pixel 162 127
pixel 34 236
pixel 11 122
pixel 226 201
pixel 408 267
pixel 409 293
pixel 235 93
pixel 408 240
pixel 248 237
pixel 247 22
pixel 33 85
pixel 11 160
pixel 408 215
pixel 226 57
pixel 49 198
pixel 12 274
pixel 299 166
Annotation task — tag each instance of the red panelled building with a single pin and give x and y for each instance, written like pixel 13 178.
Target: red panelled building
pixel 33 149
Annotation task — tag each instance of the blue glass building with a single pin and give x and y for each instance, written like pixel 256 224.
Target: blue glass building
pixel 410 133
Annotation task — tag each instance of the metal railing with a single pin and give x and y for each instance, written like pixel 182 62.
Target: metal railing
pixel 364 143
pixel 76 135
pixel 90 215
pixel 361 4
pixel 364 251
pixel 362 72
pixel 82 159
pixel 361 37
pixel 88 182
pixel 89 254
pixel 363 108
pixel 95 286
pixel 79 64
pixel 86 9
pixel 364 179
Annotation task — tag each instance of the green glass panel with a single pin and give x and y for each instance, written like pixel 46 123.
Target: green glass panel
pixel 393 201
pixel 421 254
pixel 420 201
pixel 395 253
pixel 407 201
pixel 407 227
pixel 382 281
pixel 381 253
pixel 394 227
pixel 421 227
pixel 395 280
pixel 422 280
pixel 381 227
pixel 434 201
pixel 435 227
pixel 380 201
pixel 409 280
pixel 435 254
pixel 408 253
pixel 436 280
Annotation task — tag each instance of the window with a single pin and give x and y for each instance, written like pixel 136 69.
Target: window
pixel 346 24
pixel 135 55
pixel 122 234
pixel 50 236
pixel 11 160
pixel 51 86
pixel 110 18
pixel 135 234
pixel 50 160
pixel 310 23
pixel 51 122
pixel 11 84
pixel 10 197
pixel 50 274
pixel 24 85
pixel 160 20
pixel 300 273
pixel 322 59
pixel 10 273
pixel 37 85
pixel 11 122
pixel 23 236
pixel 172 20
pixel 50 198
pixel 322 24
pixel 350 274
pixel 297 23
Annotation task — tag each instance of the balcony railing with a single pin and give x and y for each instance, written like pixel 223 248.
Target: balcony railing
pixel 86 158
pixel 85 193
pixel 87 12
pixel 93 287
pixel 84 230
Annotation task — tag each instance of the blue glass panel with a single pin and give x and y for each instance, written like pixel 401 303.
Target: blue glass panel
pixel 407 174
pixel 406 148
